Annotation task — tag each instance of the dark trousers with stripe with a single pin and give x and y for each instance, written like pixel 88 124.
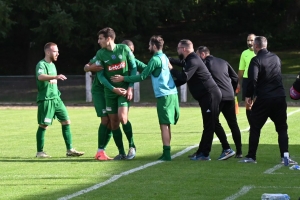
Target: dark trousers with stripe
pixel 275 108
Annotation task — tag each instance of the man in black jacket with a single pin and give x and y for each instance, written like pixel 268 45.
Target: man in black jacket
pixel 203 89
pixel 265 78
pixel 227 80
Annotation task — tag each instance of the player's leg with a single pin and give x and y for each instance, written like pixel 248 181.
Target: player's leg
pixel 104 130
pixel 123 109
pixel 248 107
pixel 168 113
pixel 62 115
pixel 44 117
pixel 112 110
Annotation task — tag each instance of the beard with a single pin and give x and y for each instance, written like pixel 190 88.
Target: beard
pixel 180 56
pixel 52 58
pixel 250 46
pixel 151 51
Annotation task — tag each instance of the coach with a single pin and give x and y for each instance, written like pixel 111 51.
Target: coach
pixel 265 78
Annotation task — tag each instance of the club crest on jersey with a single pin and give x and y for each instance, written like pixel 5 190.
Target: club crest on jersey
pixel 120 57
pixel 113 57
pixel 117 66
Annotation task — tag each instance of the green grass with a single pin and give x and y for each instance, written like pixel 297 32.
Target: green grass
pixel 25 177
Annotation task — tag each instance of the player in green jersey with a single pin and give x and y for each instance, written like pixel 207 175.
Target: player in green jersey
pixel 50 105
pixel 116 59
pixel 164 89
pixel 245 59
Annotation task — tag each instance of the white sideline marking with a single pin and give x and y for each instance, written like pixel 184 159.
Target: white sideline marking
pixel 242 191
pixel 271 170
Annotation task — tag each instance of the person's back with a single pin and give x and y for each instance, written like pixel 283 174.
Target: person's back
pixel 269 82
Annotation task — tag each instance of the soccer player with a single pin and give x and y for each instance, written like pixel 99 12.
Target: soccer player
pixel 245 59
pixel 50 105
pixel 116 59
pixel 164 89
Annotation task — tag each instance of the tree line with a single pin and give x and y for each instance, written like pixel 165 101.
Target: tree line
pixel 25 26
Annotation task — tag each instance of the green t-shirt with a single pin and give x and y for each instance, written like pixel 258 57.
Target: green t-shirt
pixel 118 61
pixel 46 89
pixel 97 87
pixel 245 59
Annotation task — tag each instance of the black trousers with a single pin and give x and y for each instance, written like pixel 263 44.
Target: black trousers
pixel 275 108
pixel 210 115
pixel 228 110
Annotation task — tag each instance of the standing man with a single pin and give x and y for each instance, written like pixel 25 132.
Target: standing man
pixel 265 78
pixel 164 88
pixel 227 80
pixel 245 59
pixel 116 59
pixel 203 89
pixel 50 105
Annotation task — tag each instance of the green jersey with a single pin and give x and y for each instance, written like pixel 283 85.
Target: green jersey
pixel 46 89
pixel 96 86
pixel 118 61
pixel 245 59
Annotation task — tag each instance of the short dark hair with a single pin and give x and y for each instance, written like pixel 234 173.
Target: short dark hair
pixel 127 42
pixel 48 45
pixel 107 32
pixel 261 41
pixel 203 49
pixel 158 41
pixel 186 43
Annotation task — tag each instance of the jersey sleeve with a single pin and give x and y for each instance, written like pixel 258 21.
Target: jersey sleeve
pixel 131 63
pixel 40 69
pixel 140 65
pixel 242 64
pixel 103 80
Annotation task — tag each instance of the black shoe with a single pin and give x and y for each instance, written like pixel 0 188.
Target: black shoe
pixel 238 155
pixel 192 155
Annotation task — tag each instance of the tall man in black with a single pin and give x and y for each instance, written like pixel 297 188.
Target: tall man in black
pixel 265 78
pixel 203 89
pixel 227 80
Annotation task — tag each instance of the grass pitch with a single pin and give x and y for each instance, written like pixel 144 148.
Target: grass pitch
pixel 25 177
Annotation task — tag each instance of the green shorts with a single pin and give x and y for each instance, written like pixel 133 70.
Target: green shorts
pixel 168 109
pixel 112 104
pixel 50 109
pixel 99 104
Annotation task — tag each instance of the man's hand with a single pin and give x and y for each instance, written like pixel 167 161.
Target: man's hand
pixel 120 91
pixel 117 78
pixel 170 66
pixel 61 77
pixel 129 93
pixel 249 101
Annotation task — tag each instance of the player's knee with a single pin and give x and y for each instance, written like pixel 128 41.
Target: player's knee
pixel 104 120
pixel 123 120
pixel 65 122
pixel 43 126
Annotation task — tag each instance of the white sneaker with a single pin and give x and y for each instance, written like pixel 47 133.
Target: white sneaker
pixel 131 153
pixel 74 153
pixel 42 155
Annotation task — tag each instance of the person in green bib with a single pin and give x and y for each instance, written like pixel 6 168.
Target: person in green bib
pixel 245 59
pixel 164 88
pixel 50 105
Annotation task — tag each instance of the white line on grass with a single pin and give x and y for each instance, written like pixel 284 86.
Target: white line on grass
pixel 271 170
pixel 242 191
pixel 116 177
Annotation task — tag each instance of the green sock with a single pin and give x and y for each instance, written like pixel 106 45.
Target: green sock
pixel 108 136
pixel 102 130
pixel 117 135
pixel 66 132
pixel 40 138
pixel 166 154
pixel 127 128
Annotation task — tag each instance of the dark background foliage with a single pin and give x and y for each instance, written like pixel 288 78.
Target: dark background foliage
pixel 25 26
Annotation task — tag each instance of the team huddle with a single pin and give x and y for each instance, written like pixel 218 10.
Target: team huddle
pixel 211 81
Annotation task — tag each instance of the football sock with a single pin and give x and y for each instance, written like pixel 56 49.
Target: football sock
pixel 166 153
pixel 40 138
pixel 66 132
pixel 102 138
pixel 108 136
pixel 117 135
pixel 127 128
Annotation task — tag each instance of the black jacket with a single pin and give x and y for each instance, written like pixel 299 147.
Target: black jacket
pixel 264 75
pixel 195 74
pixel 224 75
